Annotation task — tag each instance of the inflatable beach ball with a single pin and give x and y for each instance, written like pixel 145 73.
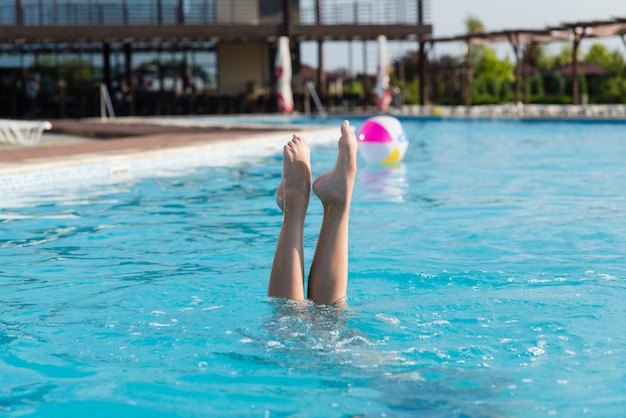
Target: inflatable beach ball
pixel 382 140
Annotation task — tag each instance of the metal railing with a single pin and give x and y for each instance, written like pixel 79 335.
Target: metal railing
pixel 134 12
pixel 176 12
pixel 364 12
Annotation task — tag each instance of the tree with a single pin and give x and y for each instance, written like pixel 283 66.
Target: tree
pixel 602 57
pixel 563 58
pixel 599 55
pixel 618 64
pixel 491 74
pixel 474 26
pixel 614 90
pixel 536 85
pixel 611 88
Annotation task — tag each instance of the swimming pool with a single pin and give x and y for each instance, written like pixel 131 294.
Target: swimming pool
pixel 487 278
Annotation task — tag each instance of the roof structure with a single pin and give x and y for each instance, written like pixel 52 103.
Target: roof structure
pixel 596 28
pixel 155 21
pixel 563 32
pixel 525 36
pixel 583 68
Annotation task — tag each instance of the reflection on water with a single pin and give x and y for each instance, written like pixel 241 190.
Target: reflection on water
pixel 388 183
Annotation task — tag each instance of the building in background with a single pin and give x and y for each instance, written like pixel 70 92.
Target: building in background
pixel 159 57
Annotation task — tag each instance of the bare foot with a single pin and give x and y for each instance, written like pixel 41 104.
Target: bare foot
pixel 335 186
pixel 295 186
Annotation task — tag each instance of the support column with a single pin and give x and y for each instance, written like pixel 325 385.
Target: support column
pixel 526 75
pixel 514 41
pixel 468 74
pixel 81 85
pixel 422 70
pixel 321 77
pixel 128 74
pixel 287 29
pixel 106 65
pixel 180 13
pixel 55 12
pixel 577 38
pixel 125 12
pixel 19 15
pixel 61 86
pixel 160 108
pixel 366 83
pixel 186 73
pixel 422 54
pixel 40 12
pixel 401 71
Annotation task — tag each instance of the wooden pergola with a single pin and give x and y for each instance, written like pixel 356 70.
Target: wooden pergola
pixel 591 29
pixel 521 39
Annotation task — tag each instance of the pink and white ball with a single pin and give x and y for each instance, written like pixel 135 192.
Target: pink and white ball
pixel 382 140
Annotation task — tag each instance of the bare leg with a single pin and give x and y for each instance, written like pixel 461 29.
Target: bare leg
pixel 328 279
pixel 292 196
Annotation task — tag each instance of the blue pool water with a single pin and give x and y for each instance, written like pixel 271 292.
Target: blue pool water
pixel 487 279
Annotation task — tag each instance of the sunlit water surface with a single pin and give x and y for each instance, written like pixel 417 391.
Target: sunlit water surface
pixel 487 279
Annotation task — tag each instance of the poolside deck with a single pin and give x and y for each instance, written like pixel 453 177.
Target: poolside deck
pixel 71 139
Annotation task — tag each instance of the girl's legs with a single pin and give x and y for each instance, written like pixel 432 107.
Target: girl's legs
pixel 328 278
pixel 292 196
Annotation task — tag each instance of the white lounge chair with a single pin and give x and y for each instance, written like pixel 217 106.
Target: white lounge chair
pixel 22 132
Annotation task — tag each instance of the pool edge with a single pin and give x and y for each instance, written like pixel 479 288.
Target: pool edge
pixel 29 175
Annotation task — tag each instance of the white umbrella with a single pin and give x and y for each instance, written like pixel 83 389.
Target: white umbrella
pixel 383 96
pixel 283 76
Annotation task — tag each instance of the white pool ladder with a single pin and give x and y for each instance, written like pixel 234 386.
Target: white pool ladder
pixel 105 103
pixel 316 99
